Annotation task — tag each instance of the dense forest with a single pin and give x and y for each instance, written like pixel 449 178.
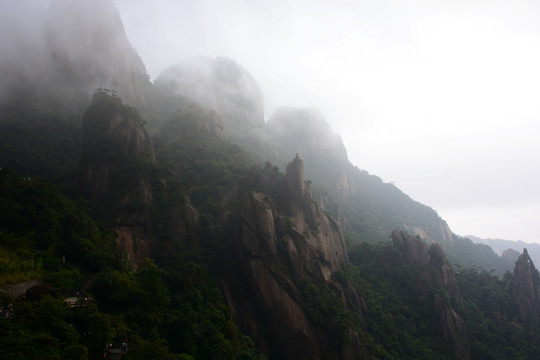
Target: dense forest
pixel 169 220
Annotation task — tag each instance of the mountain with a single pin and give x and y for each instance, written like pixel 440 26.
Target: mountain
pixel 197 230
pixel 75 48
pixel 500 246
pixel 50 64
pixel 221 85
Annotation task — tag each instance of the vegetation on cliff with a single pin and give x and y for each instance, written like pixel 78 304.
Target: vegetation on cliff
pixel 168 312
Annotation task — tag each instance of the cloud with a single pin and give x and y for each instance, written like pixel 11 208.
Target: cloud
pixel 438 97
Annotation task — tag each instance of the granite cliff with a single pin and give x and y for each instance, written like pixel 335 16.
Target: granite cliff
pixel 526 291
pixel 434 273
pixel 115 149
pixel 284 242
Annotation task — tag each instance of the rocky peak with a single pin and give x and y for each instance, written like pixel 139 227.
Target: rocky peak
pixel 109 122
pixel 221 85
pixel 510 254
pixel 279 246
pixel 411 248
pixel 305 131
pixel 527 289
pixel 86 38
pixel 294 176
pixel 435 273
pixel 115 151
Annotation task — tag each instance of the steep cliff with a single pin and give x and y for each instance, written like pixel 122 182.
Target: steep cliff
pixel 116 155
pixel 526 290
pixel 366 208
pixel 286 245
pixel 437 284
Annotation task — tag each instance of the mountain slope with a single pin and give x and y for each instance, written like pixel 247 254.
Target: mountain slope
pixel 500 246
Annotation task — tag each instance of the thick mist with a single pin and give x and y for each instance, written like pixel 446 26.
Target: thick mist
pixel 47 47
pixel 438 98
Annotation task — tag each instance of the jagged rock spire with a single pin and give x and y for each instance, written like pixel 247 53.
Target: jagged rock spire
pixel 527 289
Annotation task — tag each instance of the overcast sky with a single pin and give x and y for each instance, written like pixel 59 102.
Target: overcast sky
pixel 439 97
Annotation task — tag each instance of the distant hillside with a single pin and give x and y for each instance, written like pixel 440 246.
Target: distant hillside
pixel 500 245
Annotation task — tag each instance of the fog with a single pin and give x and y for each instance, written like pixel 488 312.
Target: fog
pixel 50 43
pixel 436 97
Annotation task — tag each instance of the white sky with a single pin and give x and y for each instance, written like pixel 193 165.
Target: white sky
pixel 439 97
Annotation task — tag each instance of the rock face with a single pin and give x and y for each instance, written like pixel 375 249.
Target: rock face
pixel 287 124
pixel 189 120
pixel 278 247
pixel 306 132
pixel 527 290
pixel 115 148
pixel 221 85
pixel 87 39
pixel 510 255
pixel 435 273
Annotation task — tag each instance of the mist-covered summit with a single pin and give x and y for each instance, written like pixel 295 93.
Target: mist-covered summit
pixel 72 48
pixel 305 131
pixel 220 84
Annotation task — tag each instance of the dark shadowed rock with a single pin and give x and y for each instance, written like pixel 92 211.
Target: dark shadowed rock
pixel 35 293
pixel 414 250
pixel 115 149
pixel 280 243
pixel 527 290
pixel 435 273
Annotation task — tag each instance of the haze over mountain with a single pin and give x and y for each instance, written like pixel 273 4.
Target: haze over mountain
pixel 501 245
pixel 197 230
pixel 438 98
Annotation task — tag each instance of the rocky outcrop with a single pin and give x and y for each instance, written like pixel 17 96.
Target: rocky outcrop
pixel 282 240
pixel 306 132
pixel 526 290
pixel 189 120
pixel 435 273
pixel 19 289
pixel 221 85
pixel 115 149
pixel 510 255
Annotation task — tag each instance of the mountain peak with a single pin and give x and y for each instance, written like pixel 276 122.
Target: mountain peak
pixel 307 132
pixel 69 51
pixel 220 84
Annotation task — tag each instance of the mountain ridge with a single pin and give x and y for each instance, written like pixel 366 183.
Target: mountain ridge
pixel 196 237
